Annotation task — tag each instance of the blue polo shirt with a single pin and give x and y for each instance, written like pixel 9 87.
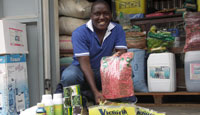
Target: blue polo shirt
pixel 86 43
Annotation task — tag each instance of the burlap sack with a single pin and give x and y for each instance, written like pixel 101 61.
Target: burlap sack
pixel 136 40
pixel 75 8
pixel 65 43
pixel 68 24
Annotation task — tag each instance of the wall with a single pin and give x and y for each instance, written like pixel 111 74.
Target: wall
pixel 29 13
pixel 1 8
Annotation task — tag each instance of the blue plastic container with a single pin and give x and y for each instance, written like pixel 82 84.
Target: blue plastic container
pixel 192 71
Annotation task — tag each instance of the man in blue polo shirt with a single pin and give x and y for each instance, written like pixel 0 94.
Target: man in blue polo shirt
pixel 92 41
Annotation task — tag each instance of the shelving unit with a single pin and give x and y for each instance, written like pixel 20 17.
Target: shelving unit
pixel 180 97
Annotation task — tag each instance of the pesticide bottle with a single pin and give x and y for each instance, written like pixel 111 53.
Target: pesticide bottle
pixel 40 109
pixel 48 103
pixel 58 104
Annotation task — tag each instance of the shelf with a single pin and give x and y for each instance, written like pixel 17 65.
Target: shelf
pixel 168 93
pixel 177 50
pixel 160 17
pixel 179 98
pixel 146 23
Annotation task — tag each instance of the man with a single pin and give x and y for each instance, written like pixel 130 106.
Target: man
pixel 92 41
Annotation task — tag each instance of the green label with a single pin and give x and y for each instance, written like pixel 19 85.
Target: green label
pixel 58 109
pixel 68 111
pixel 49 110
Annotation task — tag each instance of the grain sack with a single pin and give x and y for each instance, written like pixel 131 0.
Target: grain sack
pixel 116 76
pixel 68 24
pixel 192 29
pixel 65 43
pixel 75 8
pixel 136 40
pixel 130 6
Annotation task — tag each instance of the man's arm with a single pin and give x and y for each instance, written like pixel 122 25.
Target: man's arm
pixel 87 70
pixel 121 51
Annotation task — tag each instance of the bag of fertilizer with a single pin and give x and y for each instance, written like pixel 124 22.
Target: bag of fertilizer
pixel 116 76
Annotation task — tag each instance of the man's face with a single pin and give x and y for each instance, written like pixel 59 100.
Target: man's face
pixel 100 16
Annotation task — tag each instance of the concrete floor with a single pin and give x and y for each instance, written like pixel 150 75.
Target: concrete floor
pixel 178 110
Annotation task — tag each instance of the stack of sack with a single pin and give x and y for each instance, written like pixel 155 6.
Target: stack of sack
pixel 136 42
pixel 73 13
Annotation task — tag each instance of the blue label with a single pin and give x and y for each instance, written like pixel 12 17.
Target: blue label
pixel 13 58
pixel 160 72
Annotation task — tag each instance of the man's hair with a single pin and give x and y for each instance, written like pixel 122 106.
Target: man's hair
pixel 100 2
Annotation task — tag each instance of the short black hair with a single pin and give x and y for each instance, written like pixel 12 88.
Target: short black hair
pixel 101 2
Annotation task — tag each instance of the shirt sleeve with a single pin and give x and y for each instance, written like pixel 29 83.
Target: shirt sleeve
pixel 120 42
pixel 79 42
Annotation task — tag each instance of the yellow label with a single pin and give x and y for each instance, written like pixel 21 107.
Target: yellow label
pixel 145 111
pixel 112 110
pixel 58 109
pixel 49 110
pixel 198 4
pixel 130 6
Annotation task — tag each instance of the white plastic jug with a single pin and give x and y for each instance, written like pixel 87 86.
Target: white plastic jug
pixel 192 71
pixel 161 70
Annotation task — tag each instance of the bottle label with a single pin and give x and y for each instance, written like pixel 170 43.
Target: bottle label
pixel 58 109
pixel 160 72
pixel 49 110
pixel 195 71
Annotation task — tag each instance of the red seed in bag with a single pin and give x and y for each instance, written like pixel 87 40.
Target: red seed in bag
pixel 116 76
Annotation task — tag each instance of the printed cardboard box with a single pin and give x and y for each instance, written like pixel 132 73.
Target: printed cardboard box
pixel 13 38
pixel 14 95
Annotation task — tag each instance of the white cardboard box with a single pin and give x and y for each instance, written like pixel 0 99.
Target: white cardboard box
pixel 13 38
pixel 14 96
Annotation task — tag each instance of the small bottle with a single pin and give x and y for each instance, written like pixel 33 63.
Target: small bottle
pixel 40 109
pixel 58 104
pixel 48 104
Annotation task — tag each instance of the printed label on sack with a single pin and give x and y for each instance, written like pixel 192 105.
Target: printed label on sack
pixel 16 37
pixel 195 71
pixel 160 72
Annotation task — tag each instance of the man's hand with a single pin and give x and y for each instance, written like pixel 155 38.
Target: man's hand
pixel 98 97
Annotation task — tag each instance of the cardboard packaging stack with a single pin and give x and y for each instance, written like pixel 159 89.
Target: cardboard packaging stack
pixel 14 96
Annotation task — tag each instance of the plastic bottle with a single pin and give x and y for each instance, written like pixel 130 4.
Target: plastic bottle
pixel 58 104
pixel 192 71
pixel 48 103
pixel 162 73
pixel 40 109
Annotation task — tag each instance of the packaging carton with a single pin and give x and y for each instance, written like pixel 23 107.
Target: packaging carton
pixel 13 38
pixel 14 95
